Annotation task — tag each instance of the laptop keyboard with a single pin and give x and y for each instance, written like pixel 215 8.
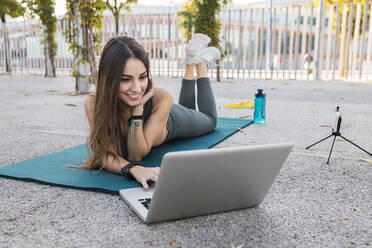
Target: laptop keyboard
pixel 145 202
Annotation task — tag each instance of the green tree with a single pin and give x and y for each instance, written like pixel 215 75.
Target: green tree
pixel 317 2
pixel 188 14
pixel 344 6
pixel 45 10
pixel 14 9
pixel 84 35
pixel 116 7
pixel 207 22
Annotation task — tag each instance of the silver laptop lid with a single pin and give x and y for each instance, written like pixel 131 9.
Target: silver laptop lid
pixel 207 181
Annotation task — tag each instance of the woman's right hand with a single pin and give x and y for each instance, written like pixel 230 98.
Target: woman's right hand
pixel 144 174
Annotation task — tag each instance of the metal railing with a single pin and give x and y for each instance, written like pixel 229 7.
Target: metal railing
pixel 287 42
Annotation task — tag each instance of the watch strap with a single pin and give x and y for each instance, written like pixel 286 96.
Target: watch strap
pixel 125 169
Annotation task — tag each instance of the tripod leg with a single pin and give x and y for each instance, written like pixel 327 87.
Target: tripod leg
pixel 319 141
pixel 334 139
pixel 370 154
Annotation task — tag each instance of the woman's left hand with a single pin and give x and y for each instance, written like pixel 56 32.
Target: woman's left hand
pixel 149 93
pixel 138 110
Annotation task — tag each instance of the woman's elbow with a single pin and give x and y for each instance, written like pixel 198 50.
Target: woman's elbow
pixel 138 156
pixel 145 152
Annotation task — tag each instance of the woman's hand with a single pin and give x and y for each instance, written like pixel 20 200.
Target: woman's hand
pixel 149 93
pixel 138 110
pixel 144 174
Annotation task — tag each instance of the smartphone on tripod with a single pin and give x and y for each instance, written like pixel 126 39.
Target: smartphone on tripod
pixel 336 132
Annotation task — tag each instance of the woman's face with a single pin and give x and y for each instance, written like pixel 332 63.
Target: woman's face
pixel 133 82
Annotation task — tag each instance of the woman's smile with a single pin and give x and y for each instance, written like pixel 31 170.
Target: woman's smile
pixel 134 97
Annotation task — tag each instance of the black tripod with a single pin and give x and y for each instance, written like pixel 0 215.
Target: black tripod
pixel 335 134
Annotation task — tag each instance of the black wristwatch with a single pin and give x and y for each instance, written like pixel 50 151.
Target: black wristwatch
pixel 125 169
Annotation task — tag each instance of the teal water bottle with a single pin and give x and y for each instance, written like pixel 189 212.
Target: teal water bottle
pixel 259 107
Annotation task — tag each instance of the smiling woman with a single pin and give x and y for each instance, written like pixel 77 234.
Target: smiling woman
pixel 128 114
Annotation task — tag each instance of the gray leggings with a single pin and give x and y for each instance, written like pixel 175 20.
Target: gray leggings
pixel 184 120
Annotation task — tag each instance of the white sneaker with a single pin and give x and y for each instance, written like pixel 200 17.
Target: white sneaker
pixel 197 43
pixel 210 55
pixel 190 59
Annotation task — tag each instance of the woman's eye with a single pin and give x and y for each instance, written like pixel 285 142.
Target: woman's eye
pixel 143 78
pixel 125 80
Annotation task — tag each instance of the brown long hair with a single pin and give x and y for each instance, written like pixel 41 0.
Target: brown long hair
pixel 108 131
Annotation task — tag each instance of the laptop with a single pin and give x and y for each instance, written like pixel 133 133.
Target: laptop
pixel 200 182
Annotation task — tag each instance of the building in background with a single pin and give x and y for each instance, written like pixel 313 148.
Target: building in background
pixel 254 46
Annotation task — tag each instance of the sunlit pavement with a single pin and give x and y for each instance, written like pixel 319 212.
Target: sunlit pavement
pixel 310 204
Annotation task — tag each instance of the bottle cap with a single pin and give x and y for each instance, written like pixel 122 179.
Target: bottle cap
pixel 260 93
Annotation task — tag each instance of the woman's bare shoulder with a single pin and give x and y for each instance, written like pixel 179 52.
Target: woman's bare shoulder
pixel 161 94
pixel 90 100
pixel 162 99
pixel 92 95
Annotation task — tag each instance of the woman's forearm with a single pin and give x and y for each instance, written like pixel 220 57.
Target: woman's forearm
pixel 136 141
pixel 137 146
pixel 113 165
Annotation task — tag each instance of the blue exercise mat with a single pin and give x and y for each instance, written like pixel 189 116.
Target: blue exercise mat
pixel 51 168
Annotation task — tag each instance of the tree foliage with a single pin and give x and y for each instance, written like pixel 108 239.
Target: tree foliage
pixel 12 8
pixel 345 6
pixel 187 13
pixel 85 16
pixel 317 2
pixel 90 13
pixel 45 10
pixel 116 6
pixel 207 20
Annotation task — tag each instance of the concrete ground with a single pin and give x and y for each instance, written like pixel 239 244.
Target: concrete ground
pixel 310 204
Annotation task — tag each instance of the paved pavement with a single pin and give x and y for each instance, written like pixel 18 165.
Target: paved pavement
pixel 311 204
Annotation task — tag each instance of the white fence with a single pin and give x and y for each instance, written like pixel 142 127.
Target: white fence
pixel 255 45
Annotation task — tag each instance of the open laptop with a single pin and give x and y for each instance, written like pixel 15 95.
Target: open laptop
pixel 201 182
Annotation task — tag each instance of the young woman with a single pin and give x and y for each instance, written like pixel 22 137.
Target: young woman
pixel 128 114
